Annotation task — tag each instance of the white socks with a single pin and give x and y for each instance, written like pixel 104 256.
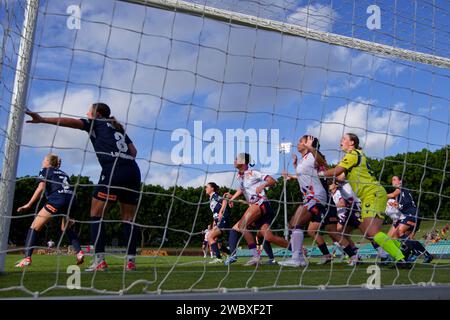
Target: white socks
pixel 296 244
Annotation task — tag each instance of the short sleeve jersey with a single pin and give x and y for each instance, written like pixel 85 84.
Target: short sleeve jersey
pixel 308 179
pixel 248 181
pixel 56 182
pixel 359 174
pixel 109 144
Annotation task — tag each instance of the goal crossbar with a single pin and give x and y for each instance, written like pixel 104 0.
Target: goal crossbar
pixel 292 29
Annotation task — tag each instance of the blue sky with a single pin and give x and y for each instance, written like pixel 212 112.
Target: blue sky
pixel 161 71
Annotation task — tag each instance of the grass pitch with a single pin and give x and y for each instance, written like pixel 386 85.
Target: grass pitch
pixel 48 276
pixel 184 274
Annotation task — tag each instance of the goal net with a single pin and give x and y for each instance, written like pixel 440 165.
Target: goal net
pixel 195 83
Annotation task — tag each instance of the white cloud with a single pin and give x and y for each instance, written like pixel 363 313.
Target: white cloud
pixel 375 127
pixel 163 172
pixel 226 179
pixel 314 16
pixel 179 85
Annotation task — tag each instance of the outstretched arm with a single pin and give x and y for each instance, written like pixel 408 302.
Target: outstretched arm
pixel 394 194
pixel 334 172
pixel 36 195
pixel 63 122
pixel 269 182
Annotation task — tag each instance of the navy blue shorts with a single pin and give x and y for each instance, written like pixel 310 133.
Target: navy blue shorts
pixel 324 215
pixel 224 223
pixel 411 221
pixel 330 216
pixel 60 204
pixel 267 215
pixel 123 185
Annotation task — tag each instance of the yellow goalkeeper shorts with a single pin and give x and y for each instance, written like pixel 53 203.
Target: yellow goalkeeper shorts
pixel 374 205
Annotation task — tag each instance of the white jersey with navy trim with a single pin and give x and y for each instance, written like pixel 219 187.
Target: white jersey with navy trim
pixel 308 180
pixel 249 180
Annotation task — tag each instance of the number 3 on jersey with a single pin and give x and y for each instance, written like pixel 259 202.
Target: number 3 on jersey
pixel 121 144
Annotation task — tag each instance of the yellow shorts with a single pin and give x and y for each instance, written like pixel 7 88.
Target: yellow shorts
pixel 374 205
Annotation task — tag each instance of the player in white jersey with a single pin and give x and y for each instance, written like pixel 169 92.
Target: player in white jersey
pixel 314 211
pixel 252 184
pixel 315 195
pixel 205 244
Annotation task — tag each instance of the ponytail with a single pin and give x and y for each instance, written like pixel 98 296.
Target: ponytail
pixel 214 186
pixel 104 110
pixel 353 137
pixel 321 162
pixel 119 127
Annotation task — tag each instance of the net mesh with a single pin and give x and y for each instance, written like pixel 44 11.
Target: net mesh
pixel 202 69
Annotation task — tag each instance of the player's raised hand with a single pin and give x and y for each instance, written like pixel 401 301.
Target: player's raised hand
pixel 35 117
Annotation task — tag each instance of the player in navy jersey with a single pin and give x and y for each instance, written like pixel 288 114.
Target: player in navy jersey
pixel 60 200
pixel 252 186
pixel 221 216
pixel 408 221
pixel 120 179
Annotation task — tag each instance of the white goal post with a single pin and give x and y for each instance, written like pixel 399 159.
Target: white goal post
pixel 15 124
pixel 294 30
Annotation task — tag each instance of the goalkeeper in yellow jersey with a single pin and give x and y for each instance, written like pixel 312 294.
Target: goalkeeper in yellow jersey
pixel 371 193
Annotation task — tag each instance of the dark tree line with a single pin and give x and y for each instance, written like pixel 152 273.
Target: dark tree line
pixel 186 210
